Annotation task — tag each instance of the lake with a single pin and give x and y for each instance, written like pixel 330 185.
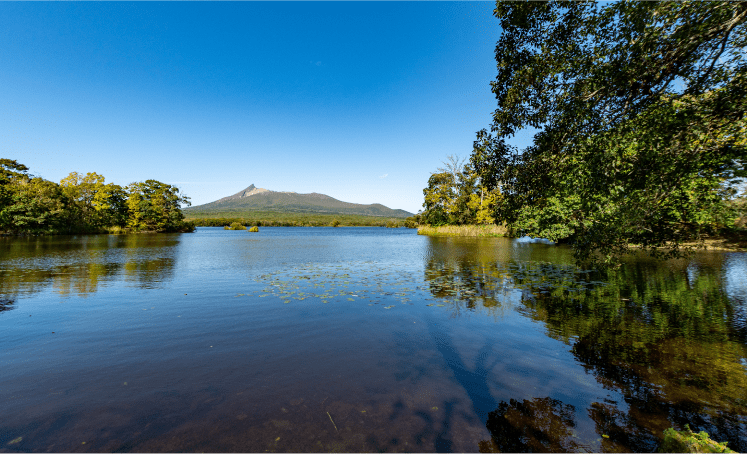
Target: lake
pixel 361 339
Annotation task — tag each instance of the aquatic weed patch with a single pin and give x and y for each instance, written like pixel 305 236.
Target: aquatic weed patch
pixel 460 286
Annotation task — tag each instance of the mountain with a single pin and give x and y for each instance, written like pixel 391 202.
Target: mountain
pixel 259 199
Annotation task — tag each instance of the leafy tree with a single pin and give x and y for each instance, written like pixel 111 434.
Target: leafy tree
pixel 36 206
pixel 85 203
pixel 438 198
pixel 153 205
pixel 640 111
pixel 483 204
pixel 94 203
pixel 10 171
pixel 449 192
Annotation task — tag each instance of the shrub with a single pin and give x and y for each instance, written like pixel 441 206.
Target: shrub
pixel 235 226
pixel 254 229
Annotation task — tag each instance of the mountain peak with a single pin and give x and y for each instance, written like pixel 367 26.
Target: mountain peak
pixel 249 191
pixel 258 199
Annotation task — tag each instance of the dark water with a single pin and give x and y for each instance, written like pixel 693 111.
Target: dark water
pixel 361 339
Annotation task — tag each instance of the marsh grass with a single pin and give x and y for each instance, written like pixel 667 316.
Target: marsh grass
pixel 464 230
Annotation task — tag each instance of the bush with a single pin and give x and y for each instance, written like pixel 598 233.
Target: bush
pixel 335 223
pixel 235 226
pixel 254 229
pixel 392 224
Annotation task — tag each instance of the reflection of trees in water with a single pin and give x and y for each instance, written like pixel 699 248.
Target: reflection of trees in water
pixel 82 279
pixel 536 425
pixel 80 265
pixel 671 342
pixel 469 285
pixel 664 335
pixel 6 304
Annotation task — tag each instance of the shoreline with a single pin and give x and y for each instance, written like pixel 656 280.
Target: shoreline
pixel 731 243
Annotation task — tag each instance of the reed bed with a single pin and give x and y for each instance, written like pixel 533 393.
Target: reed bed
pixel 463 230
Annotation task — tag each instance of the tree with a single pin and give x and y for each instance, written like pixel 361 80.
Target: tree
pixel 640 111
pixel 94 203
pixel 438 198
pixel 483 204
pixel 448 195
pixel 153 205
pixel 10 171
pixel 36 206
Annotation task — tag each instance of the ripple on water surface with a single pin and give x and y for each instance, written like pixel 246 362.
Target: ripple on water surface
pixel 360 339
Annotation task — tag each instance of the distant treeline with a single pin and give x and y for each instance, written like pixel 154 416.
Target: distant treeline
pixel 277 219
pixel 85 204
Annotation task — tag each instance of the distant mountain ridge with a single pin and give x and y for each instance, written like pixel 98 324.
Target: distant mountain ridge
pixel 259 199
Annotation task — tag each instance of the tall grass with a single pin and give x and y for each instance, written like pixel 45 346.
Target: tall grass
pixel 463 230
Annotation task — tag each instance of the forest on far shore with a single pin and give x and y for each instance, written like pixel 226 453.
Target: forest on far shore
pixel 85 204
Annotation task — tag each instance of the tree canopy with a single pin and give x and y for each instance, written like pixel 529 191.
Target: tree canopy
pixel 639 109
pixel 85 204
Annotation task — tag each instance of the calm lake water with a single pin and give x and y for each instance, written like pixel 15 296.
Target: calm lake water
pixel 361 339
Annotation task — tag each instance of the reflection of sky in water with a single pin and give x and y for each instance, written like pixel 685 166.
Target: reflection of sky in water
pixel 267 338
pixel 735 277
pixel 530 240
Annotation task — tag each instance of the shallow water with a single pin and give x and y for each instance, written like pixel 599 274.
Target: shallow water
pixel 361 339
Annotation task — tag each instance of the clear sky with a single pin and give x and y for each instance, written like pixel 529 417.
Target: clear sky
pixel 357 100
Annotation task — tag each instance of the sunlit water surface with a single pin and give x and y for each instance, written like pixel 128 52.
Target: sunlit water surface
pixel 361 339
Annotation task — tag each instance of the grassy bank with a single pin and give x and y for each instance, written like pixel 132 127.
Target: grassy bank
pixel 464 230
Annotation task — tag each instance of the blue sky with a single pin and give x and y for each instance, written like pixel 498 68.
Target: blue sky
pixel 357 100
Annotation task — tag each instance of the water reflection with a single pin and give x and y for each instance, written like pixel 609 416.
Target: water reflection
pixel 80 265
pixel 669 337
pixel 6 305
pixel 532 425
pixel 489 274
pixel 476 339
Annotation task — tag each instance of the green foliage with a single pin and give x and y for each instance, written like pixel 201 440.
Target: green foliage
pixel 93 204
pixel 254 229
pixel 688 441
pixel 235 226
pixel 335 223
pixel 156 206
pixel 11 169
pixel 640 110
pixel 455 196
pixel 35 206
pixel 392 224
pixel 85 204
pixel 739 207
